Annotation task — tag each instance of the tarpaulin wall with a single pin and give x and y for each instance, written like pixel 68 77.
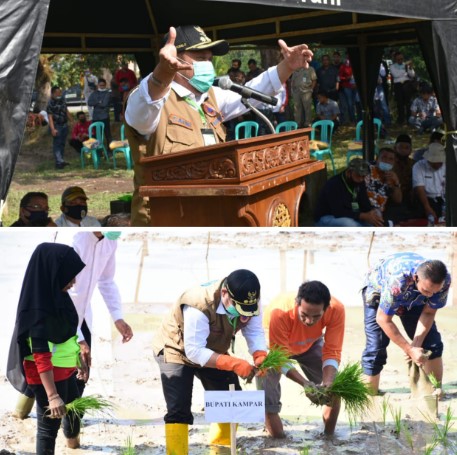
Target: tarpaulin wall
pixel 440 52
pixel 22 25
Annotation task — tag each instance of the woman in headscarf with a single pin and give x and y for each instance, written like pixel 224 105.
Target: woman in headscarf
pixel 44 352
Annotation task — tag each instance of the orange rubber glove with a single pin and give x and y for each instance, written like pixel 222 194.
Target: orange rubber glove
pixel 239 366
pixel 259 357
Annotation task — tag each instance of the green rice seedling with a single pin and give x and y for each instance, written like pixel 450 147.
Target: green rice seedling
pixel 277 358
pixel 442 432
pixel 435 383
pixel 91 404
pixel 408 435
pixel 305 450
pixel 429 448
pixel 350 387
pixel 129 448
pixel 384 408
pixel 396 415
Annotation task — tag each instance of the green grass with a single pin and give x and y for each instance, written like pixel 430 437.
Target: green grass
pixel 91 404
pixel 396 415
pixel 384 408
pixel 129 448
pixel 39 174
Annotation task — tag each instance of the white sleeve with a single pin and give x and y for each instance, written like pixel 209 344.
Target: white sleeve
pixel 229 102
pixel 418 175
pixel 255 335
pixel 196 332
pixel 143 113
pixel 108 287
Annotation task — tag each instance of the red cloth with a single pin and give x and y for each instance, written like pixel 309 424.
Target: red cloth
pixel 127 74
pixel 80 128
pixel 346 77
pixel 42 364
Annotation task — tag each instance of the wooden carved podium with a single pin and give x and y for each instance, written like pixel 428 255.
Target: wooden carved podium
pixel 250 182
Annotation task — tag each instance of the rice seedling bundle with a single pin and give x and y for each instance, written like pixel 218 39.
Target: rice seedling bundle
pixel 91 404
pixel 350 387
pixel 277 358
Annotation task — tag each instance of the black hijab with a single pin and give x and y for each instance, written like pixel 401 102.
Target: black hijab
pixel 44 310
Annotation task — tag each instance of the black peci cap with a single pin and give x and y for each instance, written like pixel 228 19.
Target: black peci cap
pixel 243 287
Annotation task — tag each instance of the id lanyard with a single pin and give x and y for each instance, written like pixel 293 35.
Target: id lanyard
pixel 354 204
pixel 207 133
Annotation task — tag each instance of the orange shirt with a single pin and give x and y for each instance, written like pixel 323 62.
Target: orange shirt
pixel 285 328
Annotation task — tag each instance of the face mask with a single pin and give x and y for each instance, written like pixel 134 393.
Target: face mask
pixel 37 217
pixel 102 89
pixel 203 77
pixel 111 235
pixel 385 166
pixel 231 310
pixel 57 98
pixel 77 212
pixel 125 87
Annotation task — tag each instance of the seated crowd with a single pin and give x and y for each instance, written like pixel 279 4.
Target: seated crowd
pixel 34 212
pixel 393 190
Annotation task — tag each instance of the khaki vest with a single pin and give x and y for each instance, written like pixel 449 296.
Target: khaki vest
pixel 179 129
pixel 170 337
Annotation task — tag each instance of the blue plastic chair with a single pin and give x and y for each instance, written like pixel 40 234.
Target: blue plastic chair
pixel 358 138
pixel 249 128
pixel 286 126
pixel 326 132
pixel 96 131
pixel 124 149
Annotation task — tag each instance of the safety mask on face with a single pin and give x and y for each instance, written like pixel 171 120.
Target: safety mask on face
pixel 111 235
pixel 58 98
pixel 385 167
pixel 231 310
pixel 203 77
pixel 125 87
pixel 102 89
pixel 77 212
pixel 38 216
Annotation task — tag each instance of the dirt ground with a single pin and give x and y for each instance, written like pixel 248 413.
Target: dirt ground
pixel 36 152
pixel 127 374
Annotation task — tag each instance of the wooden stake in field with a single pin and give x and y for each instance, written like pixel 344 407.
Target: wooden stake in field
pixel 232 429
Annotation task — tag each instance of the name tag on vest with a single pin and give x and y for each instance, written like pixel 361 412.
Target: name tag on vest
pixel 176 120
pixel 208 136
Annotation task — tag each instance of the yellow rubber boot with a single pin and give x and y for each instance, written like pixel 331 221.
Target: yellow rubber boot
pixel 219 433
pixel 24 406
pixel 177 438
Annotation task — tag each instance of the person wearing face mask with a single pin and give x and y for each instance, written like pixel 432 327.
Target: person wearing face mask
pixel 429 181
pixel 100 101
pixel 343 201
pixel 382 183
pixel 90 85
pixel 74 209
pixel 413 288
pixel 404 165
pixel 176 107
pixel 59 116
pixel 310 326
pixel 80 132
pixel 44 354
pixel 34 211
pixel 194 341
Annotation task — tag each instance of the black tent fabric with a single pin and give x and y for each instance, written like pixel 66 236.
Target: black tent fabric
pixel 22 26
pixel 262 22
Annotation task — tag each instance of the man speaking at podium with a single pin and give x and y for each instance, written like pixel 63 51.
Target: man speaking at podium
pixel 177 108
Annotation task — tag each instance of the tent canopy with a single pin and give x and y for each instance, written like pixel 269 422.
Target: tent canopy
pixel 365 27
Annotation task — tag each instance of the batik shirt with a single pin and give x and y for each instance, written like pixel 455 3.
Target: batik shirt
pixel 393 279
pixel 58 110
pixel 429 108
pixel 377 189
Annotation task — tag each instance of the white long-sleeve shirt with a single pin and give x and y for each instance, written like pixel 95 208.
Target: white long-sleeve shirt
pixel 143 113
pixel 197 332
pixel 100 259
pixel 401 73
